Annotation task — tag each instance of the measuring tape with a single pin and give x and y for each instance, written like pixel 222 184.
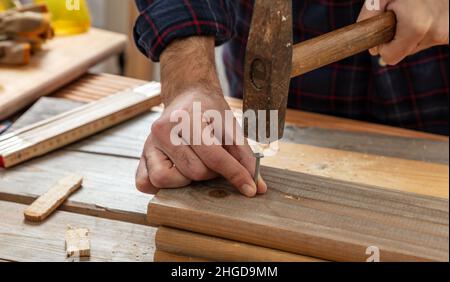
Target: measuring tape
pixel 56 132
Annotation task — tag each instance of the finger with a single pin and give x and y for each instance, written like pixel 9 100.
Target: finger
pixel 374 51
pixel 368 11
pixel 162 172
pixel 242 152
pixel 411 30
pixel 422 46
pixel 185 160
pixel 244 155
pixel 143 183
pixel 219 160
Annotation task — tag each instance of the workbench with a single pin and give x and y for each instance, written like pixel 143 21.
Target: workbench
pixel 115 212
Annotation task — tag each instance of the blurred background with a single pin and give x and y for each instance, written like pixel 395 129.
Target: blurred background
pixel 118 16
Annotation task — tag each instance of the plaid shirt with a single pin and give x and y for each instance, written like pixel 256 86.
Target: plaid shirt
pixel 413 94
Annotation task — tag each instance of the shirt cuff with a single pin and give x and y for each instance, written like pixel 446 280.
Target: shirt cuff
pixel 163 21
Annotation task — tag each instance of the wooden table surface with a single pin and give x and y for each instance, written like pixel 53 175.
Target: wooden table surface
pixel 62 60
pixel 115 212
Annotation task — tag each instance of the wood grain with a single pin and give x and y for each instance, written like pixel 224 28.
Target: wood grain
pixel 92 87
pixel 108 184
pixel 127 140
pixel 312 216
pixel 162 256
pixel 369 143
pixel 53 198
pixel 62 60
pixel 110 240
pixel 44 108
pixel 342 43
pixel 58 131
pixel 189 244
pixel 309 119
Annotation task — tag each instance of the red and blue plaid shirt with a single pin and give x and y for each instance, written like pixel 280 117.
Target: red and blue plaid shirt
pixel 414 94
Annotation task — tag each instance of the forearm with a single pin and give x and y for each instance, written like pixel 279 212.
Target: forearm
pixel 188 63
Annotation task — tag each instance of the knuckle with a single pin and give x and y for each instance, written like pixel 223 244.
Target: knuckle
pixel 158 128
pixel 158 178
pixel 236 177
pixel 199 173
pixel 140 184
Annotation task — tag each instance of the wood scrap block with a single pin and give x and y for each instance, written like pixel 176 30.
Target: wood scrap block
pixel 77 242
pixel 312 216
pixel 53 198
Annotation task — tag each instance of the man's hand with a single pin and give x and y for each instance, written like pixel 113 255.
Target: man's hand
pixel 188 75
pixel 421 24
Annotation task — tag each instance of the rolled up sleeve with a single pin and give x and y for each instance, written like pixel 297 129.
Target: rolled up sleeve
pixel 162 21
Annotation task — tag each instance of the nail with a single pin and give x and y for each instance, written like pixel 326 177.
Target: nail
pixel 248 190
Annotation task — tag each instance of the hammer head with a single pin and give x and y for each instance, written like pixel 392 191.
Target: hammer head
pixel 268 64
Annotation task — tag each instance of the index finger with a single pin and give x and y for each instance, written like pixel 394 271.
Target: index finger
pixel 216 158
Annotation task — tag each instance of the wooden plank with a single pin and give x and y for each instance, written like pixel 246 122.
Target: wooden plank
pixel 77 242
pixel 114 141
pixel 92 87
pixel 189 244
pixel 369 143
pixel 44 108
pixel 391 173
pixel 53 198
pixel 62 60
pixel 108 184
pixel 405 175
pixel 308 119
pixel 55 132
pixel 162 256
pixel 312 216
pixel 110 240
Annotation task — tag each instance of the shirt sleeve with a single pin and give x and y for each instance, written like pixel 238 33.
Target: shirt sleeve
pixel 162 21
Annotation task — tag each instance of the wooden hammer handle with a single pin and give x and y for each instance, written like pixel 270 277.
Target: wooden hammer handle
pixel 342 43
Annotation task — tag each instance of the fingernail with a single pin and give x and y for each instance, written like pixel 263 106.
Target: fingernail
pixel 249 190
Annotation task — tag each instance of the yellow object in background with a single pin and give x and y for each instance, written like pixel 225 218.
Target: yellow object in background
pixel 68 16
pixel 5 5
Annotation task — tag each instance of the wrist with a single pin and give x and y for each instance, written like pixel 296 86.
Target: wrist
pixel 188 63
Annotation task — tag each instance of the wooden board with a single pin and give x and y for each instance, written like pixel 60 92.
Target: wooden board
pixel 110 240
pixel 189 244
pixel 312 216
pixel 44 108
pixel 58 131
pixel 308 119
pixel 370 143
pixel 400 174
pixel 62 60
pixel 108 185
pixel 92 87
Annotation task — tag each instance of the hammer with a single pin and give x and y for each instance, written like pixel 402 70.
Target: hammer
pixel 272 59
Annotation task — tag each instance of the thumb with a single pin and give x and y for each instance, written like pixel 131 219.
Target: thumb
pixel 372 8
